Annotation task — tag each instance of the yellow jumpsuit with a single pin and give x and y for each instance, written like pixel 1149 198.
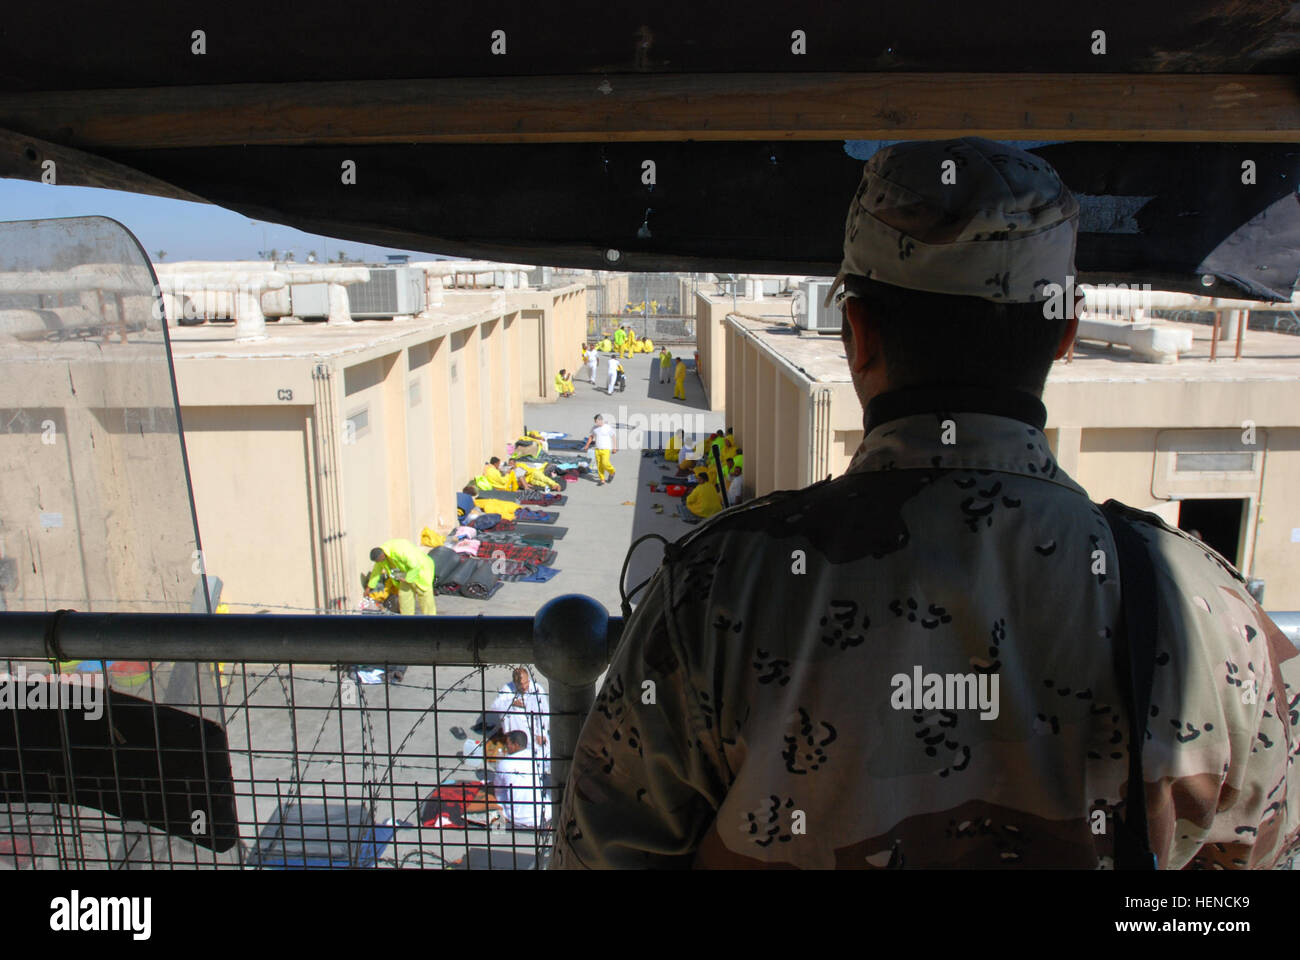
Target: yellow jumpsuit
pixel 679 389
pixel 536 474
pixel 499 480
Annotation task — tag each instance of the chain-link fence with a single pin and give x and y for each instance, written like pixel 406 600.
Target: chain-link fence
pixel 278 758
pixel 657 306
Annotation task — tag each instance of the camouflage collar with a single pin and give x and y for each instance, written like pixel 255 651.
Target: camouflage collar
pixel 987 436
pixel 951 398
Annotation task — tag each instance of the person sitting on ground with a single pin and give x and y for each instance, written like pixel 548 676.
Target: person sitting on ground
pixel 705 500
pixel 499 480
pixel 674 448
pixel 516 784
pixel 465 508
pixel 564 384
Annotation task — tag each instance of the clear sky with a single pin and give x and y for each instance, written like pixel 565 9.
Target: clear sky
pixel 186 231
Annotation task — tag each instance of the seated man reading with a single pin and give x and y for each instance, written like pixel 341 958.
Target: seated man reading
pixel 499 480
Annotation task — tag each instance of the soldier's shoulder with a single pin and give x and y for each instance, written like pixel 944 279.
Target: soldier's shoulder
pixel 1176 549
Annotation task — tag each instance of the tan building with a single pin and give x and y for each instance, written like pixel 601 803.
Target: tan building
pixel 1209 445
pixel 310 447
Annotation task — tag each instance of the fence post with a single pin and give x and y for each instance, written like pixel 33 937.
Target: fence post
pixel 571 646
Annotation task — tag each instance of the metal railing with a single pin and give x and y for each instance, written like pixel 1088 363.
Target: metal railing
pixel 328 742
pixel 290 742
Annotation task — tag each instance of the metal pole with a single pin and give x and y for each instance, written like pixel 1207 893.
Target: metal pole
pixel 274 639
pixel 573 639
pixel 717 460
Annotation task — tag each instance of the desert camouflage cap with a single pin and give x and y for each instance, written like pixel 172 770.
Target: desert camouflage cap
pixel 970 217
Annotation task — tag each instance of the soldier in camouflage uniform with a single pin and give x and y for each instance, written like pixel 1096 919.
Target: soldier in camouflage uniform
pixel 801 684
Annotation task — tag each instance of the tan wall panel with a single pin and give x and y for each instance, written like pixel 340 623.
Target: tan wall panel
pixel 421 446
pixel 1277 534
pixel 1117 464
pixel 249 470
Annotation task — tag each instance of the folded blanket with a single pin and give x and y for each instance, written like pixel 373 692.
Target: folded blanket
pixel 535 516
pixel 538 498
pixel 445 806
pixel 486 522
pixel 553 436
pixel 515 551
pixel 545 543
pixel 481 582
pixel 468 546
pixel 560 443
pixel 511 571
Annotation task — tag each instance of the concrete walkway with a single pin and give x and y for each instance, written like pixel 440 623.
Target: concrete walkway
pixel 603 521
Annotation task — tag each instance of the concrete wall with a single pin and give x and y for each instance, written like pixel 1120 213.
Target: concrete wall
pixel 710 314
pixel 552 326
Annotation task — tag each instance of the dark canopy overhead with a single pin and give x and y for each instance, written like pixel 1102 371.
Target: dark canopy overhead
pixel 1179 138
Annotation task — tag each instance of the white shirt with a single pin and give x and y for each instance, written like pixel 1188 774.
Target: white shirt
pixel 517 788
pixel 533 718
pixel 735 489
pixel 592 357
pixel 613 366
pixel 605 435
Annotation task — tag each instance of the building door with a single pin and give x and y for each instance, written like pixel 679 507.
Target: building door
pixel 1218 522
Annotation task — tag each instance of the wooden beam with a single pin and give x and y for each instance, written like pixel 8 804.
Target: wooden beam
pixel 23 158
pixel 625 108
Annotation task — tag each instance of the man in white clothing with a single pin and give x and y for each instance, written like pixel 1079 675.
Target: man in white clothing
pixel 516 784
pixel 524 706
pixel 592 357
pixel 606 440
pixel 613 373
pixel 736 489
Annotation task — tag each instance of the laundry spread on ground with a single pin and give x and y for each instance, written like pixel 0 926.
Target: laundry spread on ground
pixel 506 526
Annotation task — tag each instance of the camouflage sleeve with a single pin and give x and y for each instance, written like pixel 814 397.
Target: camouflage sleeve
pixel 1224 732
pixel 646 779
pixel 1256 825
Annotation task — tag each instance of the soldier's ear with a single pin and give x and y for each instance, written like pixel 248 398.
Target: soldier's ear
pixel 1067 338
pixel 861 336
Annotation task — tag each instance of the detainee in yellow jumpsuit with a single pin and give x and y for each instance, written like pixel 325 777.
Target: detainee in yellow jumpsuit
pixel 499 480
pixel 413 570
pixel 679 390
pixel 536 473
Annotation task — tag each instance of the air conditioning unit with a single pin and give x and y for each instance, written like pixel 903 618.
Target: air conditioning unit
pixel 390 292
pixel 809 310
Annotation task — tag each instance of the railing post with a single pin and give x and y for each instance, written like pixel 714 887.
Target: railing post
pixel 571 643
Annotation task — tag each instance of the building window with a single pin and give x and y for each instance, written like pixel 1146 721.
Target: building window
pixel 1214 461
pixel 357 424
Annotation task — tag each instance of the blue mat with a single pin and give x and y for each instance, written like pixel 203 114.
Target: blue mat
pixel 540 575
